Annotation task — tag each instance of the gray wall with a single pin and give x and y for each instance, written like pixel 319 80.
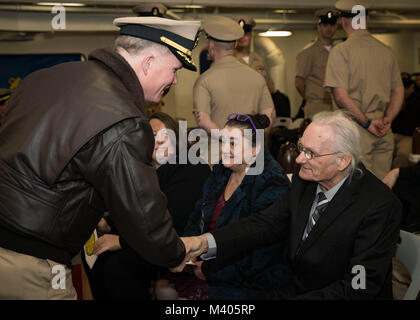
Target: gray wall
pixel 178 103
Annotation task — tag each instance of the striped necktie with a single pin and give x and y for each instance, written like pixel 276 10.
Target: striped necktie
pixel 320 208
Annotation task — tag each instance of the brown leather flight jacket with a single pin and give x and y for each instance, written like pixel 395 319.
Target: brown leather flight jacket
pixel 74 143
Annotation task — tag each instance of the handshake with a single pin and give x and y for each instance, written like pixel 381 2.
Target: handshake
pixel 194 246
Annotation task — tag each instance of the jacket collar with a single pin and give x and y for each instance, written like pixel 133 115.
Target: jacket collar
pixel 226 59
pixel 118 65
pixel 358 33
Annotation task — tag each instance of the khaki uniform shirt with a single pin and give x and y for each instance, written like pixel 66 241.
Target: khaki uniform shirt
pixel 256 62
pixel 310 65
pixel 367 69
pixel 230 86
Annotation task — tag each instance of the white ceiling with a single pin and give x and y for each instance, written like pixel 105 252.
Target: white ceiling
pixel 242 3
pixel 97 16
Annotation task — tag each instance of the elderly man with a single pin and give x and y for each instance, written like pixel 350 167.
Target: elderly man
pixel 75 143
pixel 229 86
pixel 365 80
pixel 311 63
pixel 340 221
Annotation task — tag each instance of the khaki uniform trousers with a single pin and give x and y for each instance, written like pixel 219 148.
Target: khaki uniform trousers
pixel 377 152
pixel 24 277
pixel 403 149
pixel 312 107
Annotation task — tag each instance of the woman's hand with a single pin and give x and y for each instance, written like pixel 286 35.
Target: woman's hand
pixel 109 242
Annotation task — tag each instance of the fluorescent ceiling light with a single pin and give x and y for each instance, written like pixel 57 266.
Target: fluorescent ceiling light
pixel 189 6
pixel 274 33
pixel 284 11
pixel 66 4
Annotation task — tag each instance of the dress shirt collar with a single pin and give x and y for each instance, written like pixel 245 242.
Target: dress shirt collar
pixel 331 192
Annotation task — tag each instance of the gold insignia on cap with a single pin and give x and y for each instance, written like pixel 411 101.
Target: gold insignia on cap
pixel 175 45
pixel 187 58
pixel 197 40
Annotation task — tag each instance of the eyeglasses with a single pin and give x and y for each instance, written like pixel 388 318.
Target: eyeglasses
pixel 243 118
pixel 310 154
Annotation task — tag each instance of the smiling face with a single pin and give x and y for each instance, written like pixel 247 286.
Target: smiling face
pixel 237 150
pixel 327 31
pixel 158 75
pixel 245 41
pixel 164 147
pixel 327 170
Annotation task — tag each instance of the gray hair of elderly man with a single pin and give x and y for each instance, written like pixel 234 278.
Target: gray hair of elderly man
pixel 346 136
pixel 135 46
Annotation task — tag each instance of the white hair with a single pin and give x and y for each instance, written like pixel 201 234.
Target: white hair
pixel 346 135
pixel 135 46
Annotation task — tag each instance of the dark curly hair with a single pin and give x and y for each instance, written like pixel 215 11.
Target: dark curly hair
pixel 261 121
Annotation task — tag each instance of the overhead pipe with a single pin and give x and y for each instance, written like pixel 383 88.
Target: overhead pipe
pixel 275 61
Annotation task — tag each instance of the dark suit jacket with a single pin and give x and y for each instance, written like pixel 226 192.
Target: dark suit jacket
pixel 407 189
pixel 360 227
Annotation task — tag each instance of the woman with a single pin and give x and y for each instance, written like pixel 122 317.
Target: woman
pixel 230 194
pixel 119 272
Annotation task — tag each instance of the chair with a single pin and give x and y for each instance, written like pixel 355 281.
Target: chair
pixel 287 157
pixel 408 253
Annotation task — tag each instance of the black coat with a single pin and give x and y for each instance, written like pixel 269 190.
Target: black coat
pixel 360 227
pixel 409 117
pixel 407 189
pixel 182 185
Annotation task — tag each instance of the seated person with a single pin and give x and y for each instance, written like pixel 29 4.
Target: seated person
pixel 342 224
pixel 405 182
pixel 280 100
pixel 119 273
pixel 230 194
pixel 404 124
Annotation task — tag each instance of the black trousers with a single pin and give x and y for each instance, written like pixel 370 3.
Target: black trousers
pixel 120 275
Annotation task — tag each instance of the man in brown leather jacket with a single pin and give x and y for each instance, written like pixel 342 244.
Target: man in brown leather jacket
pixel 75 143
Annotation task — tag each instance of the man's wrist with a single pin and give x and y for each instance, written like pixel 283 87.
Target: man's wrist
pixel 209 246
pixel 367 124
pixel 204 243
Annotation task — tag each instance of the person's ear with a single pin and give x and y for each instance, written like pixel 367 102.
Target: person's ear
pixel 211 45
pixel 147 63
pixel 343 161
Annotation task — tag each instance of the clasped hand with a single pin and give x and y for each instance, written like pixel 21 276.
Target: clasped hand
pixel 194 246
pixel 379 127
